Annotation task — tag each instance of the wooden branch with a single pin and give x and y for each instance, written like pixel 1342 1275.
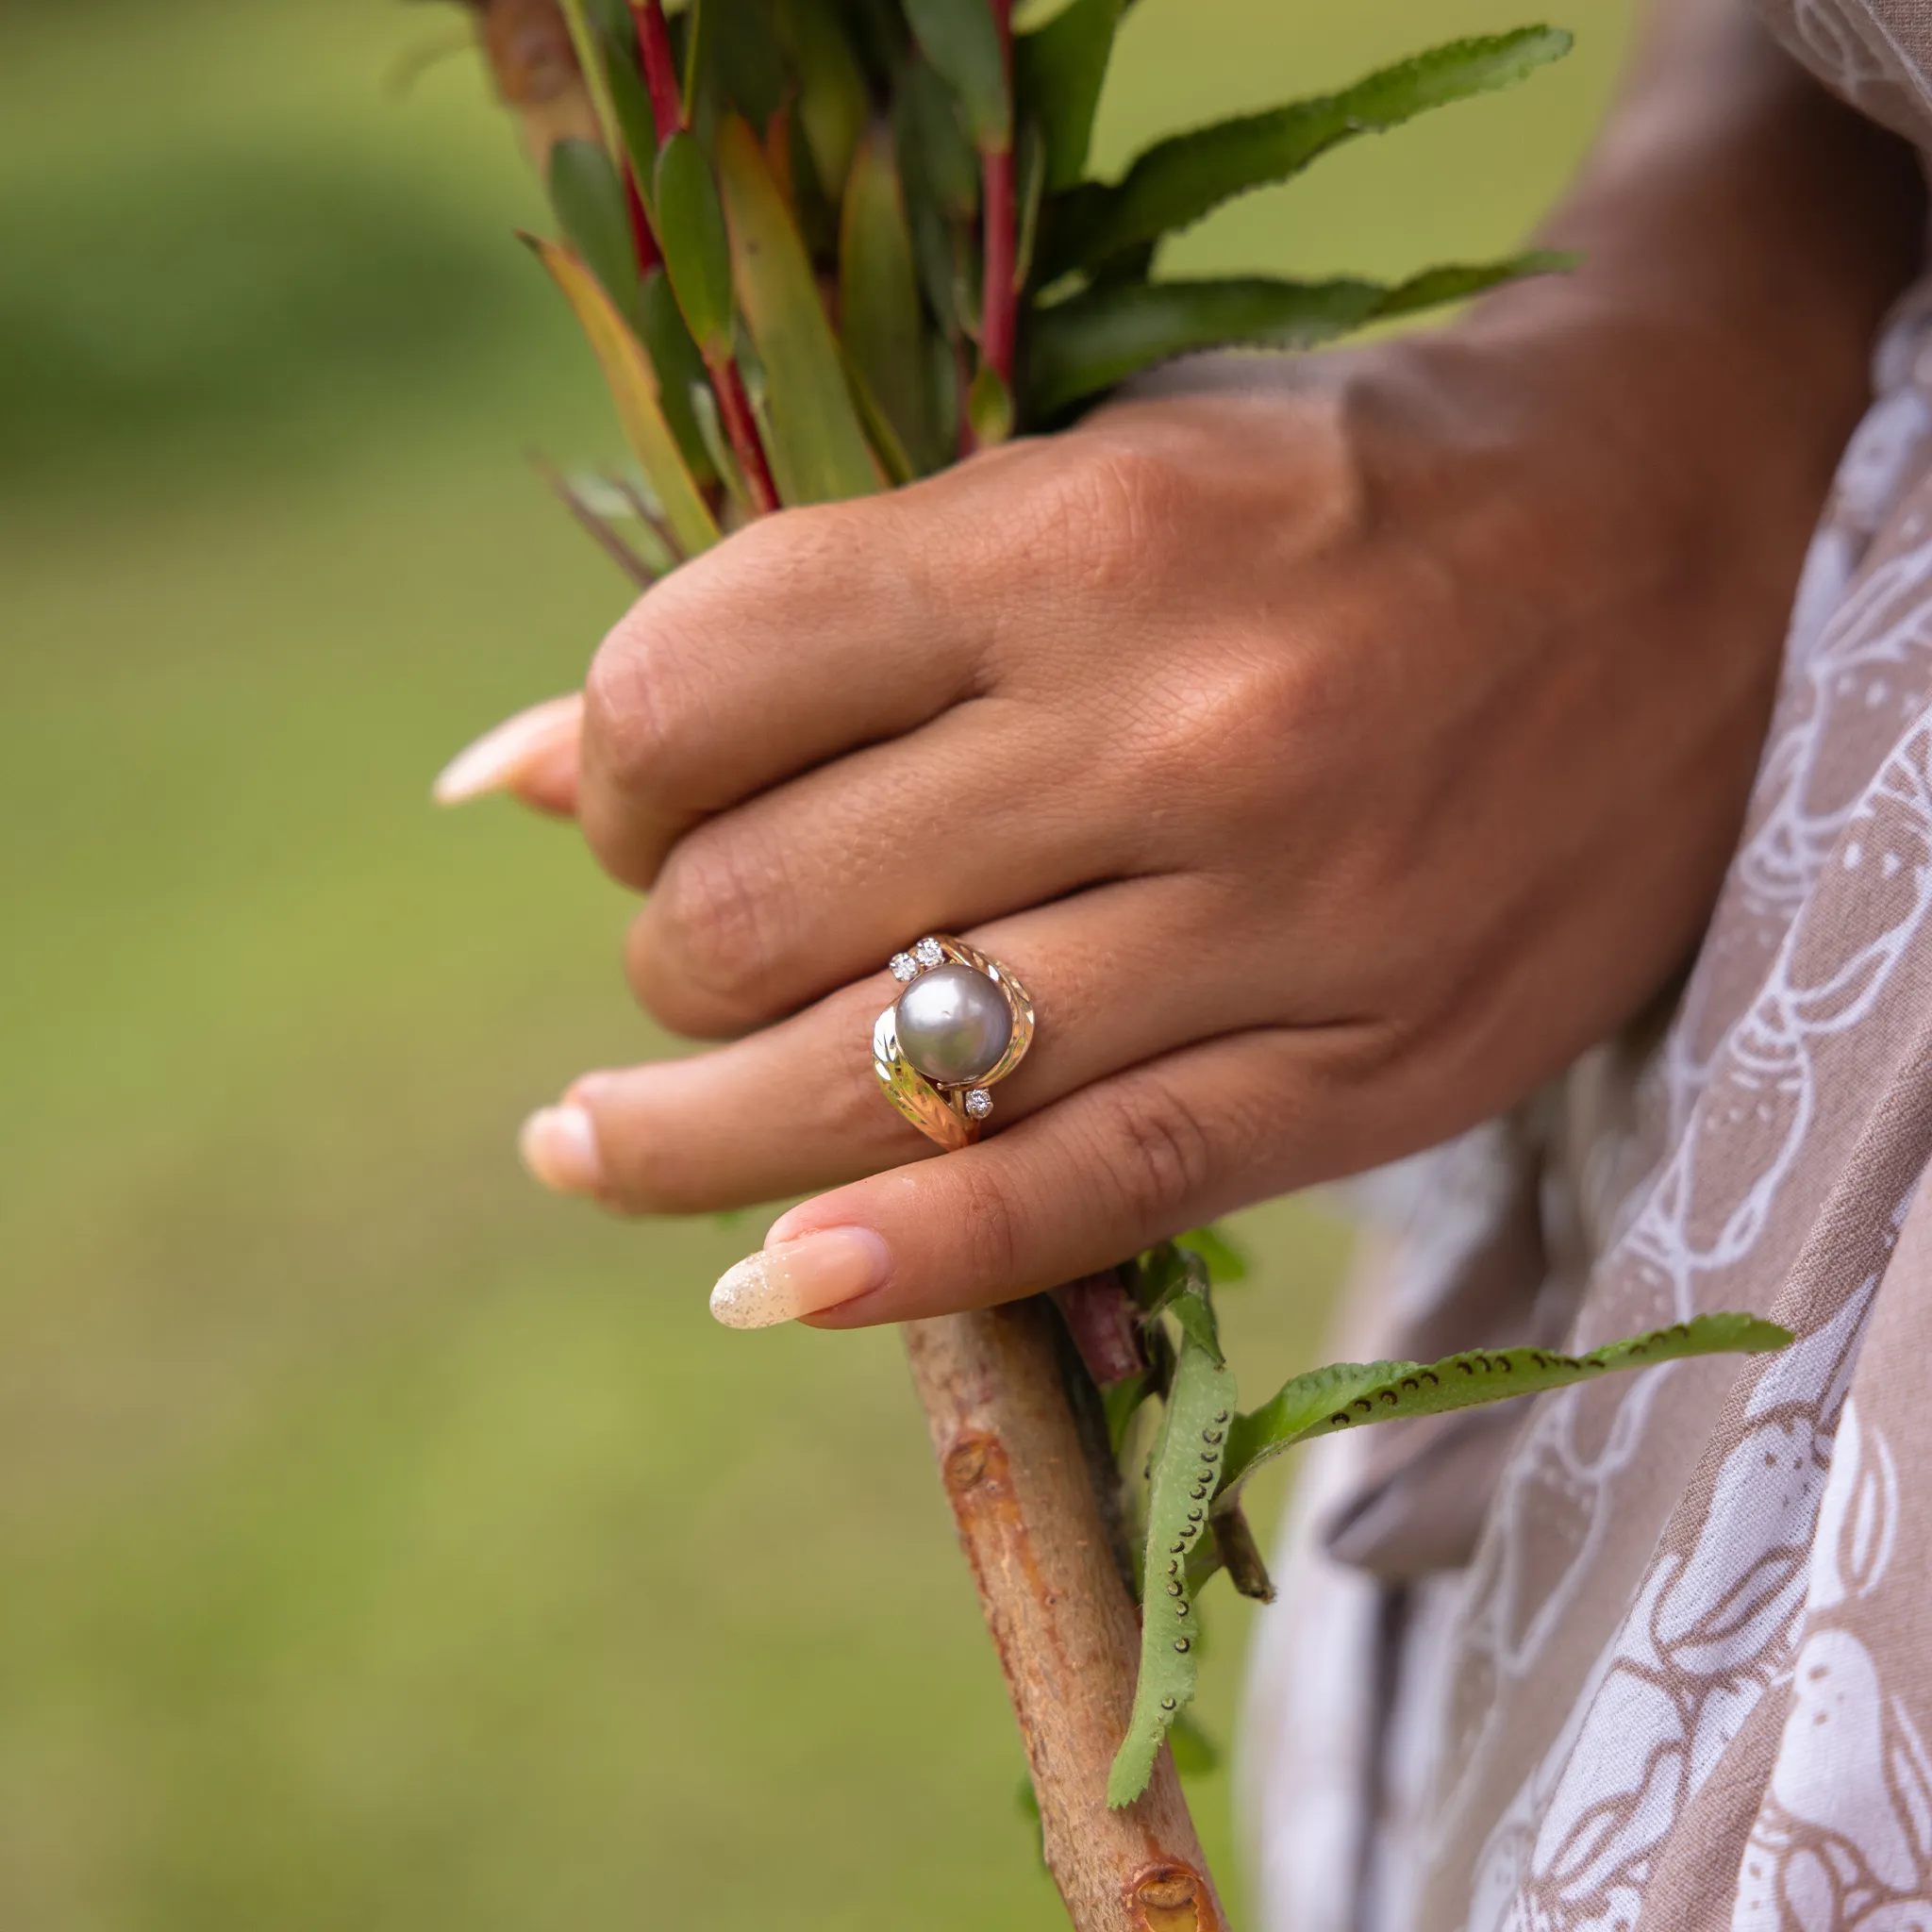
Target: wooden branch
pixel 1067 1633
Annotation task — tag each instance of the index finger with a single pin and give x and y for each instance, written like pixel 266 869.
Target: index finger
pixel 808 634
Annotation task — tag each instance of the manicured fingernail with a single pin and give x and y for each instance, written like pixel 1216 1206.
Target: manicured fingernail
pixel 559 1146
pixel 501 756
pixel 800 1276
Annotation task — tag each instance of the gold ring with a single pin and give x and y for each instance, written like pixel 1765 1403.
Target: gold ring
pixel 961 1024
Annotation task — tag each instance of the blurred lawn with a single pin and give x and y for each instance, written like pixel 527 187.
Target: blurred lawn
pixel 385 1545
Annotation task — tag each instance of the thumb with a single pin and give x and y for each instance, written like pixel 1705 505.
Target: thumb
pixel 533 757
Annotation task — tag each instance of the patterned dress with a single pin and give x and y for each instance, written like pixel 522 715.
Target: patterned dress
pixel 1659 1651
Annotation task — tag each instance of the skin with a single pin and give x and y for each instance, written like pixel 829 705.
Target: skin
pixel 1335 748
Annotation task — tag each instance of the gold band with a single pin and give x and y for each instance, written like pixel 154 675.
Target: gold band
pixel 952 1114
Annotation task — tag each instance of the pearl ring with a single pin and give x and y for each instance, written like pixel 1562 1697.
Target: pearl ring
pixel 962 1022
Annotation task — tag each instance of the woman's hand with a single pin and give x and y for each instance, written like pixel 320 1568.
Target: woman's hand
pixel 1334 755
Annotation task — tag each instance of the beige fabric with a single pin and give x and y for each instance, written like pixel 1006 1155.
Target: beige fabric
pixel 1658 1653
pixel 1877 54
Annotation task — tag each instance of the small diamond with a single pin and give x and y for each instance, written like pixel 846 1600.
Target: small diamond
pixel 929 953
pixel 992 973
pixel 979 1103
pixel 904 966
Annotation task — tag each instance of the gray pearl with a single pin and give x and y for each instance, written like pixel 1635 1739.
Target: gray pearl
pixel 954 1025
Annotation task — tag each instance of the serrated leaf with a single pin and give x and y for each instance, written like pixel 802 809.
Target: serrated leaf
pixel 1328 1399
pixel 1200 1412
pixel 1098 339
pixel 831 104
pixel 879 312
pixel 697 251
pixel 633 385
pixel 587 194
pixel 817 445
pixel 1178 180
pixel 961 41
pixel 1057 72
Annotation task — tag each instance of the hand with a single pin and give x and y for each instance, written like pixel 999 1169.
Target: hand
pixel 1334 761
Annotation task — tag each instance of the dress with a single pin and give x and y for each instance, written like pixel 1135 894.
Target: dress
pixel 1659 1651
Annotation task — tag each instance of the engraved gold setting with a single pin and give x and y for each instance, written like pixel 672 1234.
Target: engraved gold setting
pixel 951 1114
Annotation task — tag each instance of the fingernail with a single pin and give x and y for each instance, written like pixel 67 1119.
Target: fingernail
pixel 800 1276
pixel 502 756
pixel 559 1146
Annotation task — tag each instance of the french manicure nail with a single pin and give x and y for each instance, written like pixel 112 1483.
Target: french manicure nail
pixel 802 1276
pixel 559 1146
pixel 497 759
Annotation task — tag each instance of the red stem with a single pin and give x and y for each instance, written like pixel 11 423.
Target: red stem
pixel 998 304
pixel 643 240
pixel 741 428
pixel 661 67
pixel 999 301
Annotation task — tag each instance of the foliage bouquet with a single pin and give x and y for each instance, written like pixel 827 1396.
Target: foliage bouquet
pixel 821 248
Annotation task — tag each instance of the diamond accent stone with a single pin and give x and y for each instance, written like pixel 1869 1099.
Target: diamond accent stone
pixel 904 966
pixel 979 1103
pixel 929 953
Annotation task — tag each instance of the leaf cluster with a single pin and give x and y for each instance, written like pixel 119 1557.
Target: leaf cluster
pixel 851 241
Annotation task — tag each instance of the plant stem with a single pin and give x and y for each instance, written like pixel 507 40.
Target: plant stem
pixel 1066 1631
pixel 999 300
pixel 741 428
pixel 661 67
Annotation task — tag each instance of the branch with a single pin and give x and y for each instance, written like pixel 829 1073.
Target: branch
pixel 1060 1617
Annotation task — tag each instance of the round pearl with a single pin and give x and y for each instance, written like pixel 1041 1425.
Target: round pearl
pixel 954 1025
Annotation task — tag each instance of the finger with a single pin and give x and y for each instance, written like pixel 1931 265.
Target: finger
pixel 533 757
pixel 804 635
pixel 977 816
pixel 798 1107
pixel 1127 1161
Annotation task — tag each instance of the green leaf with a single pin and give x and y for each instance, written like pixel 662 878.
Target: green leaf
pixel 832 106
pixel 1335 1398
pixel 680 372
pixel 637 127
pixel 1200 1412
pixel 989 407
pixel 1178 180
pixel 818 444
pixel 1057 72
pixel 633 385
pixel 588 196
pixel 697 251
pixel 934 153
pixel 1029 196
pixel 1121 1402
pixel 961 41
pixel 1224 1260
pixel 587 45
pixel 878 298
pixel 1101 337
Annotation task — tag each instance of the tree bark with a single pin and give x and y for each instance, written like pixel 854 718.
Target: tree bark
pixel 1067 1633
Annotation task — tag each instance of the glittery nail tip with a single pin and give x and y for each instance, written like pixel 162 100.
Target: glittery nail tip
pixel 746 1296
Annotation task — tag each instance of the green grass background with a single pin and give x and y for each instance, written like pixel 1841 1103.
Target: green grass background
pixel 384 1544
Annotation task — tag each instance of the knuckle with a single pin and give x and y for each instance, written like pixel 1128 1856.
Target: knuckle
pixel 990 1224
pixel 631 706
pixel 707 944
pixel 1104 506
pixel 1161 1152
